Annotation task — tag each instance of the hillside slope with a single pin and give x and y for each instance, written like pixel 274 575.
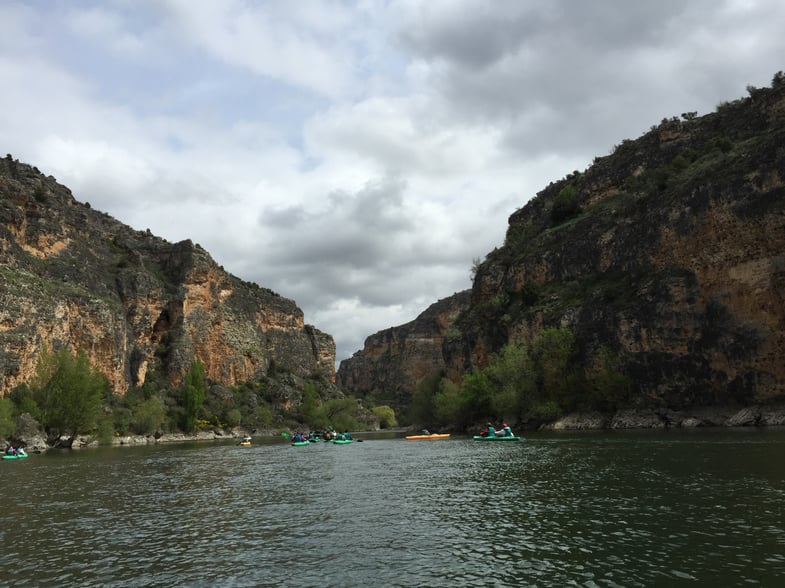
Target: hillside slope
pixel 75 277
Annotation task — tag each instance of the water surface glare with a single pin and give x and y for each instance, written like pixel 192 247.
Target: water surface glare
pixel 693 508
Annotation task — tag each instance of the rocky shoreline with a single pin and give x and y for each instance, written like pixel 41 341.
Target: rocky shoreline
pixel 627 419
pixel 37 444
pixel 750 416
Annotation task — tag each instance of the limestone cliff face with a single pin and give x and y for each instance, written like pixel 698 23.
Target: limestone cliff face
pixel 394 360
pixel 673 256
pixel 75 277
pixel 670 252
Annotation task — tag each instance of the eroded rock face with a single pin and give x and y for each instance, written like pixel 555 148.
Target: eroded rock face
pixel 673 257
pixel 75 277
pixel 394 360
pixel 674 260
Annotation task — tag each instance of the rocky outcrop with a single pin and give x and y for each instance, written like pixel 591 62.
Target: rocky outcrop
pixel 672 256
pixel 706 416
pixel 136 304
pixel 670 252
pixel 394 360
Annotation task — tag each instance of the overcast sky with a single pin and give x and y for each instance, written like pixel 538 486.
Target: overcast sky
pixel 354 156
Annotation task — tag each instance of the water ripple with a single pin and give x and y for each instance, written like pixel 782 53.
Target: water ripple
pixel 581 510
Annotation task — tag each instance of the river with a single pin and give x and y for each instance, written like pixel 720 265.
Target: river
pixel 646 508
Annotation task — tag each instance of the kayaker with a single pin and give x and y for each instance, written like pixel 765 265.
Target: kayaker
pixel 425 432
pixel 491 431
pixel 347 436
pixel 506 431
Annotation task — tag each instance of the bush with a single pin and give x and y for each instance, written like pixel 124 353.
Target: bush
pixel 386 416
pixel 565 206
pixel 7 425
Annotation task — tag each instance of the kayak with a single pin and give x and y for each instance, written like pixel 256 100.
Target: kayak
pixel 22 456
pixel 431 436
pixel 246 442
pixel 342 441
pixel 486 438
pixel 300 443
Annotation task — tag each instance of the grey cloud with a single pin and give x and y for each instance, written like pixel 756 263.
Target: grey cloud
pixel 577 77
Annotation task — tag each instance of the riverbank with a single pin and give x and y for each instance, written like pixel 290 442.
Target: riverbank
pixel 37 444
pixel 714 416
pixel 750 416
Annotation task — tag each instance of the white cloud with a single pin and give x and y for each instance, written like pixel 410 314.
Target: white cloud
pixel 282 41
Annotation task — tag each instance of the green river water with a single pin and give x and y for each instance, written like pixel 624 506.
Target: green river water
pixel 664 508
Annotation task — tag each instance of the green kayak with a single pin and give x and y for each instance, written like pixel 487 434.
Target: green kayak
pixel 487 438
pixel 299 443
pixel 341 441
pixel 22 456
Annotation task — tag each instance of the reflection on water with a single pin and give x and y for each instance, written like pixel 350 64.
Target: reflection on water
pixel 623 509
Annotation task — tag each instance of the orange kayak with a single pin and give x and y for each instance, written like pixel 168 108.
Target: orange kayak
pixel 431 436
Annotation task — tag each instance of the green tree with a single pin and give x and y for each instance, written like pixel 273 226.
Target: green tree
pixel 340 413
pixel 22 397
pixel 234 417
pixel 7 425
pixel 69 392
pixel 311 411
pixel 514 376
pixel 609 387
pixel 386 416
pixel 565 205
pixel 193 392
pixel 448 404
pixel 422 408
pixel 149 416
pixel 478 394
pixel 553 354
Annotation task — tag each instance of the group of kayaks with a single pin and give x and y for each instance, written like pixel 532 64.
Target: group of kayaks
pixel 312 441
pixel 340 440
pixel 434 436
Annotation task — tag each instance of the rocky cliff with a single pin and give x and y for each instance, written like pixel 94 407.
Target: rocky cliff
pixel 75 277
pixel 670 252
pixel 394 360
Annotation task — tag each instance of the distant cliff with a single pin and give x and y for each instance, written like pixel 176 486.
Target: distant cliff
pixel 72 276
pixel 394 360
pixel 670 252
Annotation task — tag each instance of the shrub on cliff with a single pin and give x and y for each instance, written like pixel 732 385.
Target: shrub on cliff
pixel 565 206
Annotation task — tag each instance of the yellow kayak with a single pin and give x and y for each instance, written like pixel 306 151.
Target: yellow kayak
pixel 431 436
